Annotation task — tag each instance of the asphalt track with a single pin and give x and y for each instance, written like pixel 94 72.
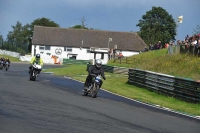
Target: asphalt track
pixel 54 104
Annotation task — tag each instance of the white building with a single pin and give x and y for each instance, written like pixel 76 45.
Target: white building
pixel 81 44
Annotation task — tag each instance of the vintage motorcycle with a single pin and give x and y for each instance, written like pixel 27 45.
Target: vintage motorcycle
pixel 35 71
pixel 93 86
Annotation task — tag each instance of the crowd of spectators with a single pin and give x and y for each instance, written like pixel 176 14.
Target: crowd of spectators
pixel 188 41
pixel 191 41
pixel 158 45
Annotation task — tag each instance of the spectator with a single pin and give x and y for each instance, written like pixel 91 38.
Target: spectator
pixel 150 47
pixel 187 37
pixel 166 45
pixel 120 55
pixel 198 44
pixel 198 48
pixel 110 54
pixel 194 42
pixel 159 45
pixel 170 48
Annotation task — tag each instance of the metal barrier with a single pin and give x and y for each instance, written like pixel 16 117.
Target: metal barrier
pixel 185 89
pixel 73 61
pixel 115 69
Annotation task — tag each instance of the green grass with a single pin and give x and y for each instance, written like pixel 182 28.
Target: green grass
pixel 12 59
pixel 118 84
pixel 180 65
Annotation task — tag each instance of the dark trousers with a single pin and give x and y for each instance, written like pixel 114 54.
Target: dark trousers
pixel 88 79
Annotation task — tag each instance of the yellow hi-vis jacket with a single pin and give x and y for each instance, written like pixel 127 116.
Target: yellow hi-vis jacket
pixel 34 60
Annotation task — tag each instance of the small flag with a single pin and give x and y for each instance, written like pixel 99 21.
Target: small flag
pixel 180 19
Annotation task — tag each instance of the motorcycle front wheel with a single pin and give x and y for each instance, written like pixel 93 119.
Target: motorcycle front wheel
pixel 6 67
pixel 85 93
pixel 33 75
pixel 94 91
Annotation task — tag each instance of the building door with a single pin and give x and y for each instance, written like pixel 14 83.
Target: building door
pixel 73 57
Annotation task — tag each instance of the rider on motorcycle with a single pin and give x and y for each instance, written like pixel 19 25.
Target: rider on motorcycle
pixel 36 59
pixel 94 70
pixel 8 60
pixel 3 60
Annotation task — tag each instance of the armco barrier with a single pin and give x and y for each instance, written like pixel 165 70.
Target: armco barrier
pixel 115 69
pixel 185 89
pixel 108 68
pixel 73 61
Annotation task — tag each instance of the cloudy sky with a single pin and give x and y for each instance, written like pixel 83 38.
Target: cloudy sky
pixel 110 15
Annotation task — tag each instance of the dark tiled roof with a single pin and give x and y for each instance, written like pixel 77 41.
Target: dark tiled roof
pixel 91 38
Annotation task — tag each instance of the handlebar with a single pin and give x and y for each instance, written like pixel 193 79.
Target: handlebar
pixel 93 74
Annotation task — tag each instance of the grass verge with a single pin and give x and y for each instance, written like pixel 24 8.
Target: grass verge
pixel 12 59
pixel 118 84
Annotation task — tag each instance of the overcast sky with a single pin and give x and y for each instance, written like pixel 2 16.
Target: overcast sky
pixel 110 15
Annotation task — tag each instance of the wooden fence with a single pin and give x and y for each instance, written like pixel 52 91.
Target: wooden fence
pixel 185 49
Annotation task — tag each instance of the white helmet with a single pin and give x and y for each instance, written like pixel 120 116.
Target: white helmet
pixel 98 63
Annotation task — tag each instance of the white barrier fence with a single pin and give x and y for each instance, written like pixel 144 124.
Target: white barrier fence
pixel 13 54
pixel 27 58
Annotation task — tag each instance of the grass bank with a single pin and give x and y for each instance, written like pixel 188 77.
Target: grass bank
pixel 118 84
pixel 180 65
pixel 12 59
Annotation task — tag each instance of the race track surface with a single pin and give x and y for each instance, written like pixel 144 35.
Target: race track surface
pixel 54 104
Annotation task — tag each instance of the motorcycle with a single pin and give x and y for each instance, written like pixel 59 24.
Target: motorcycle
pixel 34 72
pixel 6 65
pixel 1 65
pixel 93 86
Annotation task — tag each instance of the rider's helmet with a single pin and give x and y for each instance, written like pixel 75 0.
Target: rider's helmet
pixel 37 56
pixel 98 63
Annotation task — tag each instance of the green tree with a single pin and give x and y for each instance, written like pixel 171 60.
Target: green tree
pixel 157 25
pixel 44 22
pixel 40 22
pixel 18 38
pixel 79 27
pixel 1 41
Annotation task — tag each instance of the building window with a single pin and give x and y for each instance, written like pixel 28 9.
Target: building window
pixel 69 49
pixel 47 47
pixel 44 47
pixel 65 48
pixel 41 48
pixel 102 56
pixel 88 50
